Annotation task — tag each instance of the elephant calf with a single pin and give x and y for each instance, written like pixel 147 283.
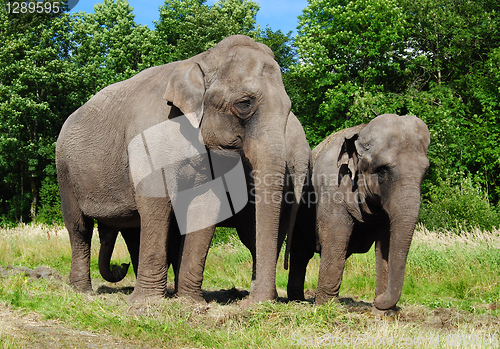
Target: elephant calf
pixel 366 181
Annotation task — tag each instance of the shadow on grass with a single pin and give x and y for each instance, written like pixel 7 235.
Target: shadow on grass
pixel 113 290
pixel 221 296
pixel 235 295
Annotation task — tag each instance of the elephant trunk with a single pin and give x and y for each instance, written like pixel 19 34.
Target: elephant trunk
pixel 403 211
pixel 114 273
pixel 268 179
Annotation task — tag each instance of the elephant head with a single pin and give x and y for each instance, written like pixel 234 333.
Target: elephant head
pixel 389 159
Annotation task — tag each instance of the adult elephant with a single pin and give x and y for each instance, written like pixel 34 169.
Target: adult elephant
pixel 367 183
pixel 111 168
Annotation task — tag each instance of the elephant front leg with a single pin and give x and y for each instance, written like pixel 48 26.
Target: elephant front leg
pixel 194 254
pixel 152 268
pixel 334 234
pixel 382 257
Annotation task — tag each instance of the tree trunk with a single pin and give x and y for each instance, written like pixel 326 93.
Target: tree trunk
pixel 34 196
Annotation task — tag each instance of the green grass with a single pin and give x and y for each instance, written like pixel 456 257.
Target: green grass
pixel 452 287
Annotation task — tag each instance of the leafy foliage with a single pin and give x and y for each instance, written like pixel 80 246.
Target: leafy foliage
pixel 351 60
pixel 33 104
pixel 438 60
pixel 463 205
pixel 108 46
pixel 344 47
pixel 189 27
pixel 282 46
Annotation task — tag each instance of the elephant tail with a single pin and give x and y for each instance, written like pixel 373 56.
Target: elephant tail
pixel 110 273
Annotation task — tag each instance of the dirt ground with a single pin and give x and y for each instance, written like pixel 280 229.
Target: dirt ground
pixel 33 332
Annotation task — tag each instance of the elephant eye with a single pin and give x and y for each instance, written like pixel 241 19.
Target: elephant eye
pixel 244 107
pixel 381 172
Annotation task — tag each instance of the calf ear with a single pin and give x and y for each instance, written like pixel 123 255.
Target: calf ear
pixel 185 89
pixel 348 156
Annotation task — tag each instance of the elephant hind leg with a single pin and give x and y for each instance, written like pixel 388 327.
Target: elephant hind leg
pixel 246 233
pixel 80 237
pixel 80 233
pixel 175 245
pixel 297 274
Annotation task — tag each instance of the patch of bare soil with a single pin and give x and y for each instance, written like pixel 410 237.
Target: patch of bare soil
pixel 439 319
pixel 28 330
pixel 41 272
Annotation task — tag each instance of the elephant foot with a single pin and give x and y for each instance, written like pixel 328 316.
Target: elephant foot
pixel 296 298
pixel 294 295
pixel 384 302
pixel 322 298
pixel 82 288
pixel 391 313
pixel 140 297
pixel 195 297
pixel 251 300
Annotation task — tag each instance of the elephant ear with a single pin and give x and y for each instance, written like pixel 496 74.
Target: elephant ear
pixel 185 89
pixel 348 158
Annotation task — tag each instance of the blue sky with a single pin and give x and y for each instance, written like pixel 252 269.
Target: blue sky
pixel 278 14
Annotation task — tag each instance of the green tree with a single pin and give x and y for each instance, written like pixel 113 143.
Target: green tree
pixel 438 60
pixel 108 46
pixel 33 104
pixel 448 38
pixel 189 27
pixel 483 125
pixel 344 47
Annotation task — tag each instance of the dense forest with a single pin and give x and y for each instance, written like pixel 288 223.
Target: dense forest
pixel 351 61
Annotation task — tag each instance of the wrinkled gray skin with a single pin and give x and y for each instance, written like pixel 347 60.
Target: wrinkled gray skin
pixel 367 183
pixel 237 95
